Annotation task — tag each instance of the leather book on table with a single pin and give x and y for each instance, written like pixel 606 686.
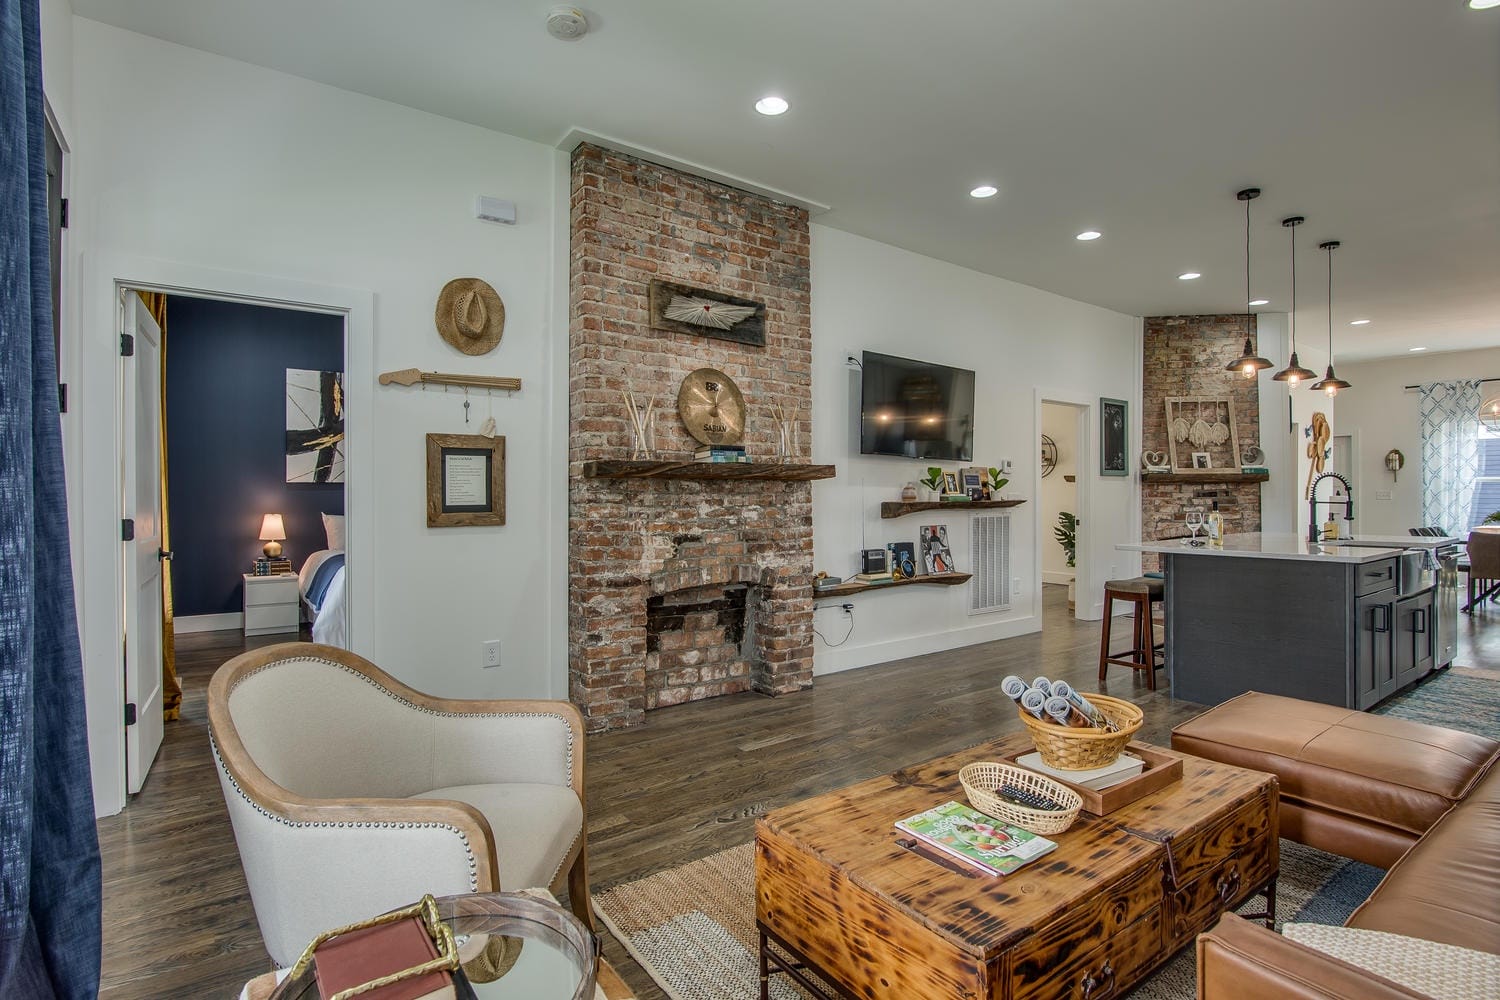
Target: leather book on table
pixel 361 956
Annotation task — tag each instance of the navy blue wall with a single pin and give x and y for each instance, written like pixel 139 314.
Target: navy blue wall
pixel 226 442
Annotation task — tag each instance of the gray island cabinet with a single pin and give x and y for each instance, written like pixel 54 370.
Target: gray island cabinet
pixel 1331 623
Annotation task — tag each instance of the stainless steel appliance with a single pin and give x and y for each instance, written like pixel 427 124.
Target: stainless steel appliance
pixel 1416 571
pixel 1445 605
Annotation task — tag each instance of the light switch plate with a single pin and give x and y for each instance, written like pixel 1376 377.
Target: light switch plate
pixel 1382 494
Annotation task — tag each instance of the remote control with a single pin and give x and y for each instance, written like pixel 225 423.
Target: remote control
pixel 1031 800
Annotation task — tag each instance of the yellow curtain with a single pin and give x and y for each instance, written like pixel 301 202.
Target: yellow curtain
pixel 171 689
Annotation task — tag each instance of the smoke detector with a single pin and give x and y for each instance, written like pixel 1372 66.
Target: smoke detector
pixel 567 23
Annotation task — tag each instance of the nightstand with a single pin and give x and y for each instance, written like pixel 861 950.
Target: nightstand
pixel 271 604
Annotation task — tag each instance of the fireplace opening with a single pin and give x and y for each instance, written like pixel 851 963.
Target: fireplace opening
pixel 696 637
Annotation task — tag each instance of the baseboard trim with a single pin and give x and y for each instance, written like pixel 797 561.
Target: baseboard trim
pixel 832 661
pixel 208 623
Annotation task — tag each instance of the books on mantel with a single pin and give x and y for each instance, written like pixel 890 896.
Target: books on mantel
pixel 721 453
pixel 1125 767
pixel 873 577
pixel 987 844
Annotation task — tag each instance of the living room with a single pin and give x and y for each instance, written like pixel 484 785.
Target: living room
pixel 335 168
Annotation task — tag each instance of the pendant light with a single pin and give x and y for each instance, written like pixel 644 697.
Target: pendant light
pixel 1248 364
pixel 1330 383
pixel 1293 372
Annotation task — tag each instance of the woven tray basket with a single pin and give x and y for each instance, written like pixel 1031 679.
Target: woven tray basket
pixel 982 778
pixel 1069 749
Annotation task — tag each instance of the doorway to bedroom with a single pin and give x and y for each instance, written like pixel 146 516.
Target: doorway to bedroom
pixel 253 447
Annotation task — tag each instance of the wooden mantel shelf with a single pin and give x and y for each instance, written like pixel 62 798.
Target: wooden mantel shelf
pixel 1206 478
pixel 637 469
pixel 900 508
pixel 849 587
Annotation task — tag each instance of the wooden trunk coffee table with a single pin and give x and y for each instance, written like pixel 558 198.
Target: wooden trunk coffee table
pixel 837 896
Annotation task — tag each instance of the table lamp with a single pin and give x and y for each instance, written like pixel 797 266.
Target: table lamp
pixel 272 531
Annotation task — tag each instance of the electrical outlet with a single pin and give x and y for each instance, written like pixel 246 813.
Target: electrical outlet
pixel 1114 573
pixel 1015 585
pixel 1382 494
pixel 491 653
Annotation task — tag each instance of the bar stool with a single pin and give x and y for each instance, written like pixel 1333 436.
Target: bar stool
pixel 1142 592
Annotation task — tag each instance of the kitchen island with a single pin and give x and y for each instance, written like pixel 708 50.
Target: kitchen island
pixel 1345 623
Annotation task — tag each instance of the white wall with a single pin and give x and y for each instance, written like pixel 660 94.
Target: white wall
pixel 1060 423
pixel 873 296
pixel 1284 498
pixel 57 62
pixel 1381 414
pixel 190 158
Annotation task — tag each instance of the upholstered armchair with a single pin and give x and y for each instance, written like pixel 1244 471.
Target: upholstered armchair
pixel 352 794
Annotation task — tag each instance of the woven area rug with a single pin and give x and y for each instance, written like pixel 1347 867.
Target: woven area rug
pixel 692 928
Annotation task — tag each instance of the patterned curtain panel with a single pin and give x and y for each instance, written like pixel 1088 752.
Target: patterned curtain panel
pixel 49 854
pixel 1450 452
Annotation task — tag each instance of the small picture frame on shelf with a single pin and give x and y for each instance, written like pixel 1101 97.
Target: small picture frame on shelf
pixel 1202 461
pixel 950 482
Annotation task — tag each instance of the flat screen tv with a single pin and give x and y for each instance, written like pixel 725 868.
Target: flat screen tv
pixel 914 409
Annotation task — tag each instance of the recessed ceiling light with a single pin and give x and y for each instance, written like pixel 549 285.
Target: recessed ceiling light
pixel 1188 276
pixel 1365 322
pixel 1416 349
pixel 1484 4
pixel 1260 302
pixel 984 191
pixel 1088 234
pixel 772 105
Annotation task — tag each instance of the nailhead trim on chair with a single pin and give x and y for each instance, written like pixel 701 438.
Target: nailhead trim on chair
pixel 468 848
pixel 413 705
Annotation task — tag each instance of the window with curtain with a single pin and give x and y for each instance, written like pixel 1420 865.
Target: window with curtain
pixel 1450 452
pixel 1487 486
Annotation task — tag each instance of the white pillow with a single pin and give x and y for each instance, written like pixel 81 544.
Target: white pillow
pixel 333 527
pixel 1444 971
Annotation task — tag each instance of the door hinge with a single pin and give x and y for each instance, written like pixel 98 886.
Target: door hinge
pixel 130 713
pixel 127 346
pixel 127 529
pixel 64 213
pixel 62 397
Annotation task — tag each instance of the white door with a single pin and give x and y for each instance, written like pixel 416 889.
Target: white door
pixel 140 428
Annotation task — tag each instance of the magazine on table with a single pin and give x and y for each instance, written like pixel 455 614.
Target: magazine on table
pixel 974 838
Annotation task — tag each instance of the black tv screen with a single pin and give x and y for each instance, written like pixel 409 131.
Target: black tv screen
pixel 916 410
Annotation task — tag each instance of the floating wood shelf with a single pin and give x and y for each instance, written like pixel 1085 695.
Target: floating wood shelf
pixel 413 376
pixel 636 469
pixel 1205 478
pixel 859 587
pixel 900 508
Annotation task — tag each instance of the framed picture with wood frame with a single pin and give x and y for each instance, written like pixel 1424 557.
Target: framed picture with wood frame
pixel 465 480
pixel 1199 426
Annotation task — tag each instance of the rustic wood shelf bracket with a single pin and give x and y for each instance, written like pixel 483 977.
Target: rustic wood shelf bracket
pixel 900 508
pixel 676 469
pixel 850 587
pixel 413 376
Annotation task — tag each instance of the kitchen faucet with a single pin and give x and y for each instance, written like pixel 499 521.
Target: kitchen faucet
pixel 1313 534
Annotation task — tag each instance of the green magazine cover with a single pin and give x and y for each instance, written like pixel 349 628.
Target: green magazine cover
pixel 985 843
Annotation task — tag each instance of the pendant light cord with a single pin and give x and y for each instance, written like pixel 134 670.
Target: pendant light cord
pixel 1292 316
pixel 1249 313
pixel 1330 308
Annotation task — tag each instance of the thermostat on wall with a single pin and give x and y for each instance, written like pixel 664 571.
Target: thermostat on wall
pixel 495 210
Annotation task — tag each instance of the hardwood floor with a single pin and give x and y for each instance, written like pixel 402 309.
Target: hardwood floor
pixel 177 915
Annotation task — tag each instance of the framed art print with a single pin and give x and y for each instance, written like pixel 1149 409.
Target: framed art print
pixel 465 480
pixel 1114 440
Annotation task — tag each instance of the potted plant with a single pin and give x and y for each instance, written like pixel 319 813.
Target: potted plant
pixel 996 483
pixel 933 484
pixel 1066 533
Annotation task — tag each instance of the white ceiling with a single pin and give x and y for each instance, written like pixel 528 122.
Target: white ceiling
pixel 1379 120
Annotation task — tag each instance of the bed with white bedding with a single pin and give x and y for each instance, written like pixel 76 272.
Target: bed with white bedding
pixel 321 583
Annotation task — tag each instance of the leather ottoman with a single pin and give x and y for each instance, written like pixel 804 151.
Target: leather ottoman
pixel 1362 786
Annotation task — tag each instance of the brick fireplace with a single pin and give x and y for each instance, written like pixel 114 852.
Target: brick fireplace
pixel 682 590
pixel 1186 356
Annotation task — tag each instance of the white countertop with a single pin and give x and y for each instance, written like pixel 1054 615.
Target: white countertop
pixel 1261 546
pixel 1404 541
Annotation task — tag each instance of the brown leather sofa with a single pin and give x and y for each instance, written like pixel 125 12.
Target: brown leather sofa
pixel 1419 800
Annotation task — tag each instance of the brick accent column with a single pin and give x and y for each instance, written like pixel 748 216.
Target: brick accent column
pixel 1185 356
pixel 633 221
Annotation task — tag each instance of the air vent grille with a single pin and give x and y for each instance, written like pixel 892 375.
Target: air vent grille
pixel 989 556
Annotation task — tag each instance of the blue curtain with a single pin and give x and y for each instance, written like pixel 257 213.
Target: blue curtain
pixel 49 852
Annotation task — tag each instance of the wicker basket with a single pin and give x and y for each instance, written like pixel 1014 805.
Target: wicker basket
pixel 982 778
pixel 1069 749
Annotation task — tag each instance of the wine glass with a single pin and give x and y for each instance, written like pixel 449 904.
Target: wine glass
pixel 1194 523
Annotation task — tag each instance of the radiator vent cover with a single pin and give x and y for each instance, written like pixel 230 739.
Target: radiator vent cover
pixel 989 555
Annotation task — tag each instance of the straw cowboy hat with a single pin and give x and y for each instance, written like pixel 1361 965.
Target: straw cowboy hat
pixel 470 315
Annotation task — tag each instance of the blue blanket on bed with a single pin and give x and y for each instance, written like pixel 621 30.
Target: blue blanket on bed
pixel 322 579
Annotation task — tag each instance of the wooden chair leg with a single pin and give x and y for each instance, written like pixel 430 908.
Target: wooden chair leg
pixel 1148 640
pixel 1109 606
pixel 578 886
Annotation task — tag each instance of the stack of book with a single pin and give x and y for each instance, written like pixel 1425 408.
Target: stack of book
pixel 271 567
pixel 882 577
pixel 721 453
pixel 1125 767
